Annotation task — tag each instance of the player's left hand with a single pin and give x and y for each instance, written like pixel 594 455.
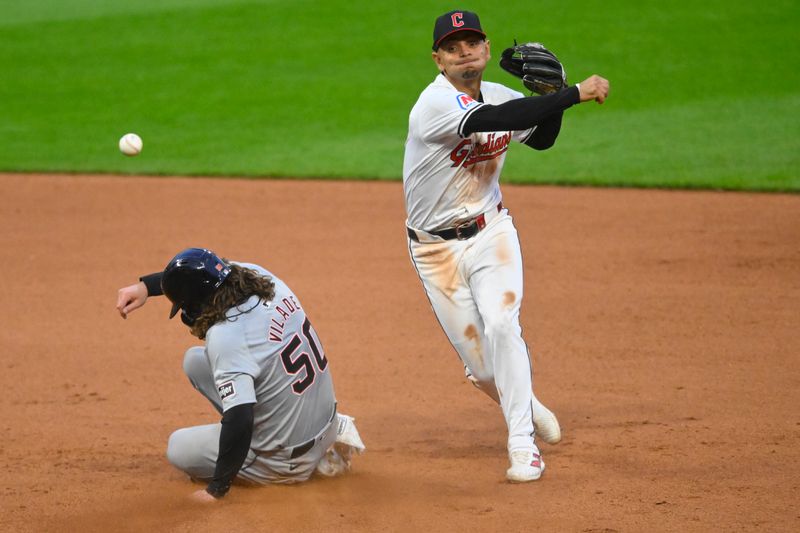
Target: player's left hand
pixel 539 68
pixel 130 298
pixel 201 496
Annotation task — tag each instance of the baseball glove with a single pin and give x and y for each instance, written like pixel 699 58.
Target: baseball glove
pixel 539 68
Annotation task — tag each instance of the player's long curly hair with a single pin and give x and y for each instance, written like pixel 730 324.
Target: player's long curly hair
pixel 238 287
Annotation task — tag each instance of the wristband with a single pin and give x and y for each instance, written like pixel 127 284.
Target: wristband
pixel 153 283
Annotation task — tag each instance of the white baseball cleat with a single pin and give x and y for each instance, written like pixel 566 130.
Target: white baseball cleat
pixel 526 465
pixel 347 434
pixel 333 464
pixel 337 459
pixel 546 424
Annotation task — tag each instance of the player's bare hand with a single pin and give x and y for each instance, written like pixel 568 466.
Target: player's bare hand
pixel 201 496
pixel 594 88
pixel 130 298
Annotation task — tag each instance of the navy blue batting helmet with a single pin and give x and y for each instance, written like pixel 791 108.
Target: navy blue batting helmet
pixel 191 277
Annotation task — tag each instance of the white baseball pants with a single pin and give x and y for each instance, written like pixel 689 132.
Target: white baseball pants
pixel 475 288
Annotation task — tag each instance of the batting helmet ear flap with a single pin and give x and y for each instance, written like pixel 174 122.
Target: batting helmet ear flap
pixel 191 278
pixel 190 317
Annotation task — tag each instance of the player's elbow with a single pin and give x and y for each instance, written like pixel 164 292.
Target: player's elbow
pixel 541 144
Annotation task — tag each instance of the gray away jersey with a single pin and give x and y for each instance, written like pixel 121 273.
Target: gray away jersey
pixel 267 353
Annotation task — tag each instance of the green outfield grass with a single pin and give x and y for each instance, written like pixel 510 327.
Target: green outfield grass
pixel 704 95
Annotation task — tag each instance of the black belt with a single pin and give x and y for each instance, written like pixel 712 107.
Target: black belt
pixel 463 231
pixel 303 448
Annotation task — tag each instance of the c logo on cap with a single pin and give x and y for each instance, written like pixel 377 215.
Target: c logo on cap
pixel 457 19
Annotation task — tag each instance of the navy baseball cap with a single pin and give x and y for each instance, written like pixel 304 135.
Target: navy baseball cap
pixel 453 21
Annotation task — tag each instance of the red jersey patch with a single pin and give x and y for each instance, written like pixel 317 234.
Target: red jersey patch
pixel 465 100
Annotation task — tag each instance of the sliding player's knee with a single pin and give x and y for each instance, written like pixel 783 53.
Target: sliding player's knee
pixel 179 449
pixel 195 363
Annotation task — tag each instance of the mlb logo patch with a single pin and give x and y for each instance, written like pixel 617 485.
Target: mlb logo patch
pixel 465 101
pixel 226 390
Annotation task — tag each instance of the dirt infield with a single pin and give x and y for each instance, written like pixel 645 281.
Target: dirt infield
pixel 664 327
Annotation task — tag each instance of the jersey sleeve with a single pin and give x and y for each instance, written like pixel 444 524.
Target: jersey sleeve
pixel 441 114
pixel 234 367
pixel 518 135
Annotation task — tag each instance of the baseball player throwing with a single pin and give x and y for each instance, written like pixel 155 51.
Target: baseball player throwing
pixel 461 238
pixel 262 368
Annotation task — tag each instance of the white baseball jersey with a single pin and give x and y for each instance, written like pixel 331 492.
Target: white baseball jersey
pixel 449 177
pixel 474 285
pixel 268 354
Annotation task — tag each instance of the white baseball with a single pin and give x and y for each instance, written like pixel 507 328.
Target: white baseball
pixel 130 144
